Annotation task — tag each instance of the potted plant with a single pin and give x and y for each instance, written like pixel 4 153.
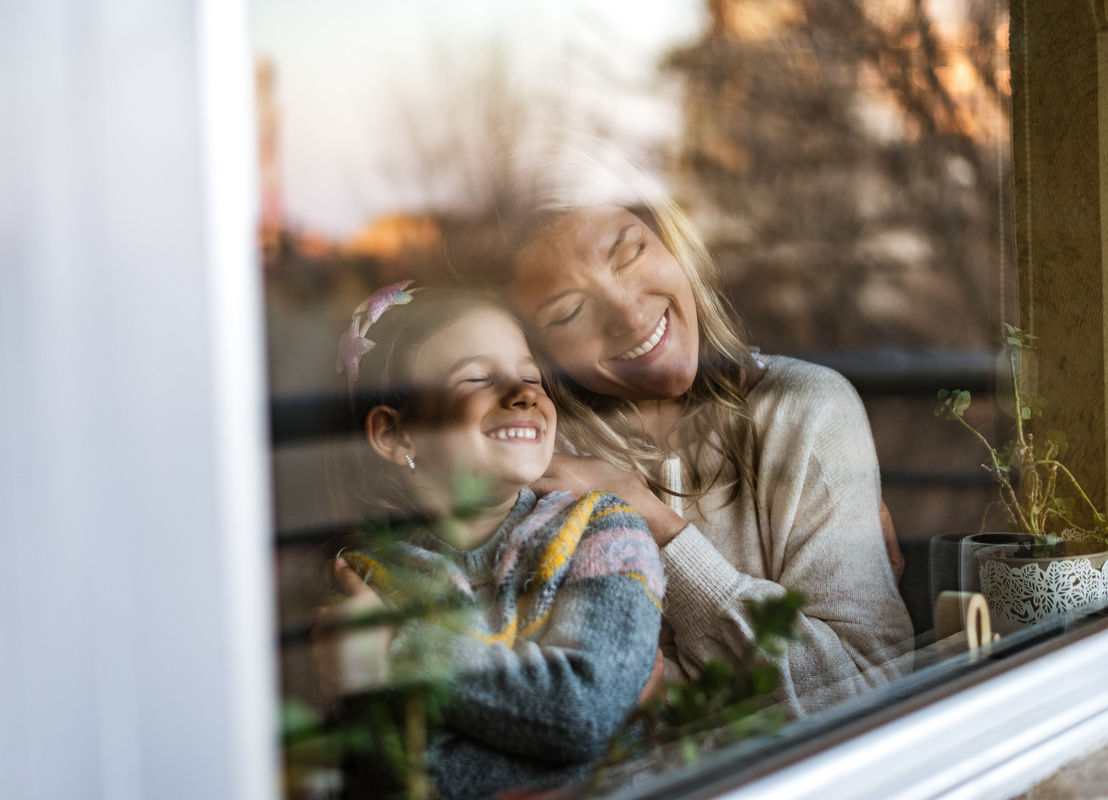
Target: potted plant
pixel 1053 563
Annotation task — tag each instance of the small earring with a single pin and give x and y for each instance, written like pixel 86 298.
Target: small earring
pixel 411 462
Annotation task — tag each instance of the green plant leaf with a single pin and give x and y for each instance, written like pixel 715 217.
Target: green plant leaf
pixel 297 716
pixel 952 404
pixel 1063 505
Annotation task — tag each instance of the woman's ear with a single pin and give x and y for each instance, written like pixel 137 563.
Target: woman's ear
pixel 386 435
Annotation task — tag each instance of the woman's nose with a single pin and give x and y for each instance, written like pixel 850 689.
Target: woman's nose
pixel 622 314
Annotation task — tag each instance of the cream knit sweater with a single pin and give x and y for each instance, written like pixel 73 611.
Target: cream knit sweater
pixel 819 532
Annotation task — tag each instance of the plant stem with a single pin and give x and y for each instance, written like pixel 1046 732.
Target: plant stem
pixel 1005 485
pixel 1016 395
pixel 415 743
pixel 1072 480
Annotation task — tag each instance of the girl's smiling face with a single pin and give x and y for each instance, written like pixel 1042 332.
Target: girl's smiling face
pixel 609 304
pixel 483 410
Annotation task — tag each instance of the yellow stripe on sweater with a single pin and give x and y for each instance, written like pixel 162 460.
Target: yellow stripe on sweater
pixel 616 510
pixel 646 585
pixel 561 549
pixel 563 546
pixel 369 569
pixel 506 636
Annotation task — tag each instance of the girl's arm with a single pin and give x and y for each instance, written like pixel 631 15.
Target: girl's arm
pixel 353 660
pixel 559 694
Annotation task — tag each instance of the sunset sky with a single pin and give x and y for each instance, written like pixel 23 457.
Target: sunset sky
pixel 359 82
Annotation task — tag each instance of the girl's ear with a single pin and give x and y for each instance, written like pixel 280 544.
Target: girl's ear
pixel 386 436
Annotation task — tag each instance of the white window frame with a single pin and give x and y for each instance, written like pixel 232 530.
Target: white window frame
pixel 137 653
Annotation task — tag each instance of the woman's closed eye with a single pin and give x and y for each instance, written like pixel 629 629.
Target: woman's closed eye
pixel 634 251
pixel 568 316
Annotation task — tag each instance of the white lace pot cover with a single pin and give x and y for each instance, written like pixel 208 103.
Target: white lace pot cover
pixel 1023 591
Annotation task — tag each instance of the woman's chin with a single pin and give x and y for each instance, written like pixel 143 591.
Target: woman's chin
pixel 671 384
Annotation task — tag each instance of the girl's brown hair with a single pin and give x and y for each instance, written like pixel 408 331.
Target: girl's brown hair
pixel 385 379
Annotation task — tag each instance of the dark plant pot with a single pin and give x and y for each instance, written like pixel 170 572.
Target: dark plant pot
pixel 1028 579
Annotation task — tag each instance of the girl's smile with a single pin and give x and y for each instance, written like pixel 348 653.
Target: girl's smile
pixel 522 432
pixel 484 411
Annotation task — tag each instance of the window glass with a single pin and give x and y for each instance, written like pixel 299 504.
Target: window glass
pixel 848 168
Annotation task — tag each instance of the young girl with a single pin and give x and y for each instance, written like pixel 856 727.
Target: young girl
pixel 559 598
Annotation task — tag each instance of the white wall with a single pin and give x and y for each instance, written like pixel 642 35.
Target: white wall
pixel 136 655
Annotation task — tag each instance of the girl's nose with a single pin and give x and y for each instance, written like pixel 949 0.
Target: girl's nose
pixel 521 395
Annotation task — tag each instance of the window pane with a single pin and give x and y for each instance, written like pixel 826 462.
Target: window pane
pixel 848 168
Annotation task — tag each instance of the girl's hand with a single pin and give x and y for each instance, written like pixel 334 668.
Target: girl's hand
pixel 580 475
pixel 355 659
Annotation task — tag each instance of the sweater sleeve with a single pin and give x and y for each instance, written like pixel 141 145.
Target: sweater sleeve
pixel 559 694
pixel 820 532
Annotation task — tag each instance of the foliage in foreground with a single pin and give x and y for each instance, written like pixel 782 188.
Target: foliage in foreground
pixel 380 741
pixel 722 706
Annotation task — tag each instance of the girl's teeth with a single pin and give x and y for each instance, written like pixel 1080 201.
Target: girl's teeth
pixel 515 433
pixel 646 346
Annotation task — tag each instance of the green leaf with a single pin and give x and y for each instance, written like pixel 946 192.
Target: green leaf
pixel 689 753
pixel 961 402
pixel 297 716
pixel 1025 412
pixel 774 620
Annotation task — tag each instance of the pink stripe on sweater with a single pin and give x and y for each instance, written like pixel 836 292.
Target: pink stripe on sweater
pixel 619 550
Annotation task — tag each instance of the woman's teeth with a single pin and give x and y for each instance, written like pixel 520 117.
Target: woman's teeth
pixel 646 346
pixel 514 433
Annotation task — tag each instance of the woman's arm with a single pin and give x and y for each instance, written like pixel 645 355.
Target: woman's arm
pixel 580 474
pixel 819 533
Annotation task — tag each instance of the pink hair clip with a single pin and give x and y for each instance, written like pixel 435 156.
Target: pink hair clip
pixel 353 344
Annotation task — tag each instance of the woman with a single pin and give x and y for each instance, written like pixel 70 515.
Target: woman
pixel 753 475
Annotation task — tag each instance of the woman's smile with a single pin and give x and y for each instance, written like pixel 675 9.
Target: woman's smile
pixel 648 344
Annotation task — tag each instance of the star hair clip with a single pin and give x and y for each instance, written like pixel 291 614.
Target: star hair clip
pixel 353 344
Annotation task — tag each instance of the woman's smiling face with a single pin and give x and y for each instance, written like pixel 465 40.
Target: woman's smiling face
pixel 609 304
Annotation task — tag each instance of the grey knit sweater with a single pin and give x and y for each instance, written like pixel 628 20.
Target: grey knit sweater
pixel 815 528
pixel 555 637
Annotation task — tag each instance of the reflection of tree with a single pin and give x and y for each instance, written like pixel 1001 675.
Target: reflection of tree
pixel 847 161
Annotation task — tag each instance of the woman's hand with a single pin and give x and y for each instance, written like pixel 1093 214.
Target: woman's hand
pixel 580 475
pixel 657 680
pixel 355 659
pixel 896 557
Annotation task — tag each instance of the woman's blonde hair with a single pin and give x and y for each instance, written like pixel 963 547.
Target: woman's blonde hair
pixel 580 173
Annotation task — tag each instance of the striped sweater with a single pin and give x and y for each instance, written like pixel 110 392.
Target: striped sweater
pixel 552 634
